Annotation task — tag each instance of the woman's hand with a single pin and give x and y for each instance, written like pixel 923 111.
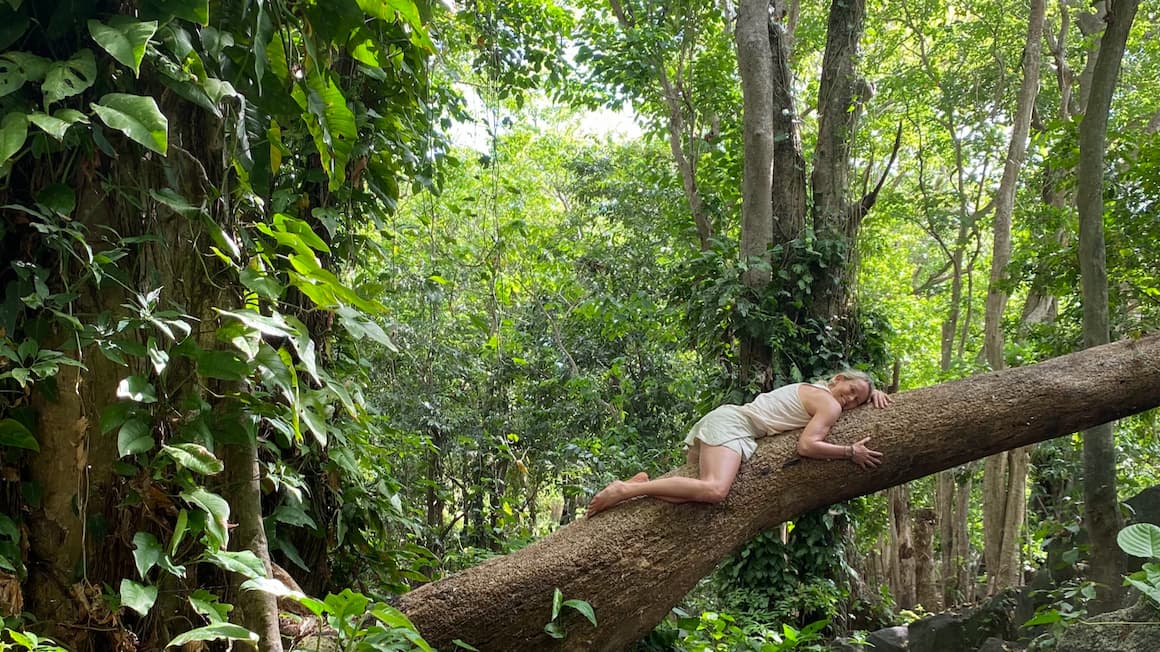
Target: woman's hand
pixel 863 456
pixel 880 399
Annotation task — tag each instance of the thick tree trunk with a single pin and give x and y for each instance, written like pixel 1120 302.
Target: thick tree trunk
pixel 789 164
pixel 841 94
pixel 1101 506
pixel 755 64
pixel 633 563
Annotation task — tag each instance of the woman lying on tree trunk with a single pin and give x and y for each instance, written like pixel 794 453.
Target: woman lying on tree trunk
pixel 725 437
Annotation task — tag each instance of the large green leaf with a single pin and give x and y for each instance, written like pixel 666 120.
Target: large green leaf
pixel 9 528
pixel 277 588
pixel 67 78
pixel 58 198
pixel 293 515
pixel 33 67
pixel 57 124
pixel 215 632
pixel 135 436
pixel 13 25
pixel 124 38
pixel 13 133
pixel 138 597
pixel 1140 540
pixel 218 511
pixel 12 76
pixel 207 604
pixel 329 121
pixel 279 325
pixel 262 284
pixel 1147 588
pixel 242 562
pixel 194 457
pixel 137 117
pixel 146 552
pixel 15 434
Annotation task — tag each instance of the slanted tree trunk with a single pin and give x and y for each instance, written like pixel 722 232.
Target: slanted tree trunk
pixel 1101 505
pixel 633 563
pixel 1005 474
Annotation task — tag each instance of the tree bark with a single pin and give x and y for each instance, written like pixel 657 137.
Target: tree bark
pixel 840 96
pixel 789 164
pixel 926 592
pixel 964 567
pixel 902 571
pixel 1005 474
pixel 633 563
pixel 944 526
pixel 258 610
pixel 755 65
pixel 1101 505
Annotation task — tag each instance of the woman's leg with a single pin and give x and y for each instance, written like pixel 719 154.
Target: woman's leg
pixel 718 469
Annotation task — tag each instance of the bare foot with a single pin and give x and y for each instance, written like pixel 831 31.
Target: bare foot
pixel 639 477
pixel 609 496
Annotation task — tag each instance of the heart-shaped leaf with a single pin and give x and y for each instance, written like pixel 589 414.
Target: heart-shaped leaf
pixel 124 38
pixel 137 117
pixel 67 78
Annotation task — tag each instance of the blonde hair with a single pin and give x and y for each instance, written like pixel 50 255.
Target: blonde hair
pixel 855 374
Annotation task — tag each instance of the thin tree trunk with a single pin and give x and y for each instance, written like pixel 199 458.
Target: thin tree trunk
pixel 926 591
pixel 944 513
pixel 1101 505
pixel 961 539
pixel 902 545
pixel 1005 475
pixel 1010 560
pixel 633 563
pixel 257 610
pixel 680 135
pixel 686 164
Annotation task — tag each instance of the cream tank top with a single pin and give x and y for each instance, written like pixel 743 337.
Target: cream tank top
pixel 779 410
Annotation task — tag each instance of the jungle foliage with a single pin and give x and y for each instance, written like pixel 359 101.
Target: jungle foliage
pixel 375 247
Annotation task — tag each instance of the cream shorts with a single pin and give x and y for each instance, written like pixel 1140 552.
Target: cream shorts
pixel 726 426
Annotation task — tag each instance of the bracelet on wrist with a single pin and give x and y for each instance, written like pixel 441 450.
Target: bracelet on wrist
pixel 851 451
